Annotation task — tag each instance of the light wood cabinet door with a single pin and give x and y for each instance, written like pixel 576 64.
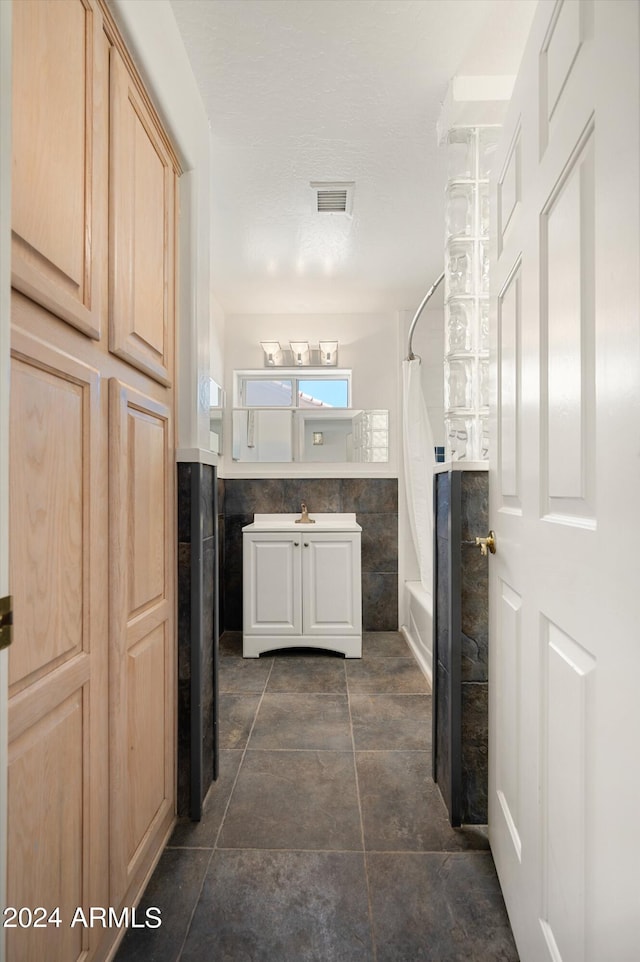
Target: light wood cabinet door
pixel 142 197
pixel 142 682
pixel 57 197
pixel 57 846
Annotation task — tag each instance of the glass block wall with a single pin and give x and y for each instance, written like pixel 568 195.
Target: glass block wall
pixel 470 152
pixel 371 436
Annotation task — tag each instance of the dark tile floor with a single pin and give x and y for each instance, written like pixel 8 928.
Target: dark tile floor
pixel 324 839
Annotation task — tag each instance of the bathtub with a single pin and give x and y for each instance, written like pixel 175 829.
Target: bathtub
pixel 418 631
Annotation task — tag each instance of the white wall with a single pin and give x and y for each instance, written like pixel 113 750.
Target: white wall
pixel 152 35
pixel 367 345
pixel 216 342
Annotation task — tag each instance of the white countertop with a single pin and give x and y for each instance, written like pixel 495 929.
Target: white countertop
pixel 333 521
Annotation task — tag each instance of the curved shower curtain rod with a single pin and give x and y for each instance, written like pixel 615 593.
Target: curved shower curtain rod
pixel 427 297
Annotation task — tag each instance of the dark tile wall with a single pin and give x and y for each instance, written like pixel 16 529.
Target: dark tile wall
pixel 197 634
pixel 221 566
pixel 442 736
pixel 375 502
pixel 474 646
pixel 461 645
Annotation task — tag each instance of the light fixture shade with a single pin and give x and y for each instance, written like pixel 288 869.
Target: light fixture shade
pixel 301 352
pixel 272 352
pixel 329 352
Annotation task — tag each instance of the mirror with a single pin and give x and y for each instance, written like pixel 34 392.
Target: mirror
pixel 262 434
pixel 306 435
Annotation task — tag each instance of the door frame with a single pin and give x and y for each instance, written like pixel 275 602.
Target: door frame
pixel 5 291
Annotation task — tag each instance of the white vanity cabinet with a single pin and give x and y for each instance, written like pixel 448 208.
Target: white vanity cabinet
pixel 302 584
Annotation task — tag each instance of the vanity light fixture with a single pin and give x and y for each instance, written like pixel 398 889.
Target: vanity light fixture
pixel 329 353
pixel 272 353
pixel 301 353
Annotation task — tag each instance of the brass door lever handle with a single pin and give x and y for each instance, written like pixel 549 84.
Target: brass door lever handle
pixel 487 544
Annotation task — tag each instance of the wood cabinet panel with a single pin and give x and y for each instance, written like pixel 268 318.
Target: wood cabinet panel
pixel 46 832
pixel 56 208
pixel 146 683
pixel 58 661
pixel 56 436
pixel 142 224
pixel 50 438
pixel 142 630
pixel 152 188
pixel 147 444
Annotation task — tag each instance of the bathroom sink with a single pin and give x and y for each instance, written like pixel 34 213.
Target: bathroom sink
pixel 331 521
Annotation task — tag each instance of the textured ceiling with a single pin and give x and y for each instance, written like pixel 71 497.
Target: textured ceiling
pixel 333 90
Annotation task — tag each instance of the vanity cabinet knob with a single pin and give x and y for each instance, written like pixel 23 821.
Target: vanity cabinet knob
pixel 296 544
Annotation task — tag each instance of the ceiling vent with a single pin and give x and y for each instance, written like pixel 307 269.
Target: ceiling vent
pixel 333 198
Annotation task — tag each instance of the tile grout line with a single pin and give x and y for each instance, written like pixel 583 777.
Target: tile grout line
pixel 418 853
pixel 364 848
pixel 244 752
pixel 226 809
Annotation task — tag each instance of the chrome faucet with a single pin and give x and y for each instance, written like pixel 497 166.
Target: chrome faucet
pixel 304 516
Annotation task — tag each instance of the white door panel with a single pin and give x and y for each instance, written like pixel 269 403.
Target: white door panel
pixel 565 478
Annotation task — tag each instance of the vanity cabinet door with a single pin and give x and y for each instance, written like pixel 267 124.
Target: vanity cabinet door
pixel 331 584
pixel 272 585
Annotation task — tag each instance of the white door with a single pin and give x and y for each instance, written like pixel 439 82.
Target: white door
pixel 5 277
pixel 565 490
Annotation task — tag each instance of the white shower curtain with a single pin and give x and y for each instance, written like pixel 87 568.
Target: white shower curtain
pixel 419 460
